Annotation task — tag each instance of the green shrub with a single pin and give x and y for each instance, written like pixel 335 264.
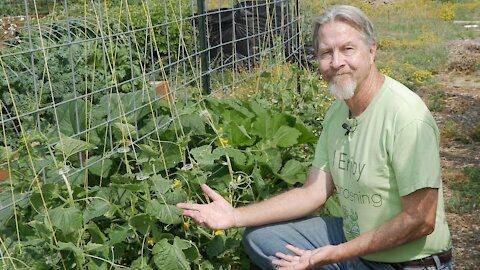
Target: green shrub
pixel 468 194
pixel 167 25
pixel 436 101
pixel 62 72
pixel 121 209
pixel 475 133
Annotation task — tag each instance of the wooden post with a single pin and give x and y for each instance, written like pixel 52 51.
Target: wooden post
pixel 4 175
pixel 163 90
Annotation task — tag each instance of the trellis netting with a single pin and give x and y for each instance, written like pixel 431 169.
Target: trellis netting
pixel 107 121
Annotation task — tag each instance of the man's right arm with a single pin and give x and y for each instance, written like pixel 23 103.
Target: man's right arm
pixel 295 203
pixel 292 204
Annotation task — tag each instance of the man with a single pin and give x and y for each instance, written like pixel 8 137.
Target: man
pixel 378 152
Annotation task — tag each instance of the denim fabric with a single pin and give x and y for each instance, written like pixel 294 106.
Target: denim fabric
pixel 262 242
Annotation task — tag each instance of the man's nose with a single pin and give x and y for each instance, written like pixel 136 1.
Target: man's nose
pixel 337 60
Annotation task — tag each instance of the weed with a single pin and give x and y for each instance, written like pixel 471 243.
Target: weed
pixel 468 193
pixel 458 132
pixel 447 12
pixel 475 133
pixel 436 101
pixel 465 56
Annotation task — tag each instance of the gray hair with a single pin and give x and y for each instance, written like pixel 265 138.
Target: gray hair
pixel 350 15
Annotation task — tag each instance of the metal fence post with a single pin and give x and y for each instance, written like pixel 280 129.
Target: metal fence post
pixel 203 47
pixel 298 50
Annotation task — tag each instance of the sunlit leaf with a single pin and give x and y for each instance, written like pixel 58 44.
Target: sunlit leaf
pixel 118 234
pixel 235 154
pixel 203 155
pixel 141 223
pixel 70 115
pixel 165 213
pixel 100 166
pixel 293 172
pixel 216 246
pixel 160 185
pixel 96 208
pixel 66 219
pixel 6 154
pixel 69 146
pixel 126 130
pixel 175 196
pixel 168 256
pixel 70 246
pixel 286 136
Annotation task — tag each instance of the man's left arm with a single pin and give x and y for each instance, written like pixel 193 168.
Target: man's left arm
pixel 415 221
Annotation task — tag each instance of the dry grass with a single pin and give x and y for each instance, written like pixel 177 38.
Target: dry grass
pixel 464 56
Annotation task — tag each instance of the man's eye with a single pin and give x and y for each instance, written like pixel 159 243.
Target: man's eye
pixel 349 50
pixel 325 54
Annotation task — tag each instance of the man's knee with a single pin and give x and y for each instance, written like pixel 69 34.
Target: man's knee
pixel 257 242
pixel 251 236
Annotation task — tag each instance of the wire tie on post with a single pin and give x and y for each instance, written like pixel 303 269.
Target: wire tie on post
pixel 141 177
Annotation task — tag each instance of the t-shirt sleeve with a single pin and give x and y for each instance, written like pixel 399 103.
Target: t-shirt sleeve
pixel 416 159
pixel 320 160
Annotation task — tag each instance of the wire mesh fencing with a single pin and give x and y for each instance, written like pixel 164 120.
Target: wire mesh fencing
pixel 57 69
pixel 96 93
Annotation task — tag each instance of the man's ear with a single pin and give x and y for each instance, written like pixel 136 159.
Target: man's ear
pixel 373 52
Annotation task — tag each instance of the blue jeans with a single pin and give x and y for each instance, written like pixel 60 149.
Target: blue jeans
pixel 261 243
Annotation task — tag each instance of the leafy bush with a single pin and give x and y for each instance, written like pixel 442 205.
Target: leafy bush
pixel 17 8
pixel 436 101
pixel 467 197
pixel 165 25
pixel 120 209
pixel 52 73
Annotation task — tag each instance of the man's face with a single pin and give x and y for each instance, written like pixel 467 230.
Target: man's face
pixel 345 58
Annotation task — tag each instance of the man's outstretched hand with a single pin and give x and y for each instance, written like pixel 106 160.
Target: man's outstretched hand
pixel 217 215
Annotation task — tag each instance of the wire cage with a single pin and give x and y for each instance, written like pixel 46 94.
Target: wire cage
pixel 95 93
pixel 10 8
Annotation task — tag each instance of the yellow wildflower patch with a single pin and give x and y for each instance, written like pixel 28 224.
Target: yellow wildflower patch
pixel 421 76
pixel 447 12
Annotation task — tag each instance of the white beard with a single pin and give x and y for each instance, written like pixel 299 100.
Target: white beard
pixel 343 90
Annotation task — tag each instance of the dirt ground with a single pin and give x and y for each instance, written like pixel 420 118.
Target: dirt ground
pixel 461 109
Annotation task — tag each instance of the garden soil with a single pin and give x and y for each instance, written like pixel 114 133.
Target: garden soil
pixel 461 112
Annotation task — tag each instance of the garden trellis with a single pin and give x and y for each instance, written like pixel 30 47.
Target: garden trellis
pixel 108 104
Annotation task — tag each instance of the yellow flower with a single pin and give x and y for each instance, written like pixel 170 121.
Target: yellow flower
pixel 186 226
pixel 422 75
pixel 219 232
pixel 386 71
pixel 223 141
pixel 150 242
pixel 177 184
pixel 447 12
pixel 323 84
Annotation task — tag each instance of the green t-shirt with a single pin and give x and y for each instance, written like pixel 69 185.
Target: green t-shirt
pixel 391 151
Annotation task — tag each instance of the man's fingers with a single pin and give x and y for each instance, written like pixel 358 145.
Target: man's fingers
pixel 189 206
pixel 190 213
pixel 280 263
pixel 196 216
pixel 211 193
pixel 285 257
pixel 295 250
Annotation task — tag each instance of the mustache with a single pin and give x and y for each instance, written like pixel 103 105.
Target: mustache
pixel 337 73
